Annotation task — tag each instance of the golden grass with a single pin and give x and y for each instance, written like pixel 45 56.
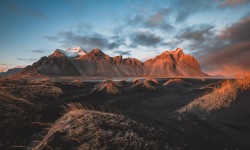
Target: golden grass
pixel 33 92
pixel 91 129
pixel 30 90
pixel 108 86
pixel 152 81
pixel 175 82
pixel 135 81
pixel 221 96
pixel 142 85
pixel 75 82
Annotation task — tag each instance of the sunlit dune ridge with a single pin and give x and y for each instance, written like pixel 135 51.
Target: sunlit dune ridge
pixel 143 85
pixel 221 96
pixel 176 82
pixel 92 129
pixel 152 81
pixel 108 86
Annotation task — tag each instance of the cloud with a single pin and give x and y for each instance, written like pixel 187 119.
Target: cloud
pixel 19 11
pixel 128 53
pixel 229 50
pixel 237 32
pixel 197 35
pixel 157 20
pixel 37 51
pixel 227 3
pixel 196 32
pixel 52 38
pixel 27 59
pixel 136 20
pixel 88 41
pixel 181 16
pixel 38 14
pixel 158 17
pixel 184 8
pixel 145 38
pixel 3 64
pixel 3 69
pixel 12 7
pixel 235 54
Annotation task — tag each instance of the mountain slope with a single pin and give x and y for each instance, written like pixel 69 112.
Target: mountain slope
pixel 11 71
pixel 171 64
pixel 96 63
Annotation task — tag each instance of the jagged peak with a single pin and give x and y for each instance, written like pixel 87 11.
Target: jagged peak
pixel 57 53
pixel 76 51
pixel 96 53
pixel 177 51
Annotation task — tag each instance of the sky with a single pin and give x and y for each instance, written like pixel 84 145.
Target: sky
pixel 215 32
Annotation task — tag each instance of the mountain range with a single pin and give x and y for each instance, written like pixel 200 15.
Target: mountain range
pixel 12 71
pixel 78 62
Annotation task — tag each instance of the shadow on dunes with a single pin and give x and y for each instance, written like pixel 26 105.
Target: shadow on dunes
pixel 123 83
pixel 81 128
pixel 31 90
pixel 16 120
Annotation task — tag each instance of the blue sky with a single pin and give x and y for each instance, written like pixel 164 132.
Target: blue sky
pixel 138 28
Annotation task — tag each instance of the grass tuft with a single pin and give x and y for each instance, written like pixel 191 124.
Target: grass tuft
pixel 80 128
pixel 221 96
pixel 152 81
pixel 176 82
pixel 143 85
pixel 108 86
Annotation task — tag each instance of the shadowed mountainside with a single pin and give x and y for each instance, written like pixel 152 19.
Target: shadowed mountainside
pixel 96 63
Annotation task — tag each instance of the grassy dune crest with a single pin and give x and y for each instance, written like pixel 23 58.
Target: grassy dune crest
pixel 81 128
pixel 221 96
pixel 108 86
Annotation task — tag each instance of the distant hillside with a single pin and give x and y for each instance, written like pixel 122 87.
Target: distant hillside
pixel 10 72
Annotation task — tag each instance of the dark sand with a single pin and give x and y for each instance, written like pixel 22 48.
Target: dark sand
pixel 226 128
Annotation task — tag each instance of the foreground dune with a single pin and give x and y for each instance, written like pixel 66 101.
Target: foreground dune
pixel 91 129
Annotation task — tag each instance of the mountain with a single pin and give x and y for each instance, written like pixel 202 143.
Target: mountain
pixel 73 52
pixel 12 71
pixel 171 64
pixel 77 50
pixel 97 63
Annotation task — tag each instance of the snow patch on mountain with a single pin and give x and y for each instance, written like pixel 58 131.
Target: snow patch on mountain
pixel 73 52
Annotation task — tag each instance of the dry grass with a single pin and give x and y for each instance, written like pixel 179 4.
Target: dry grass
pixel 16 115
pixel 142 85
pixel 30 90
pixel 221 96
pixel 108 86
pixel 176 82
pixel 80 128
pixel 122 83
pixel 152 81
pixel 243 80
pixel 34 92
pixel 135 81
pixel 75 82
